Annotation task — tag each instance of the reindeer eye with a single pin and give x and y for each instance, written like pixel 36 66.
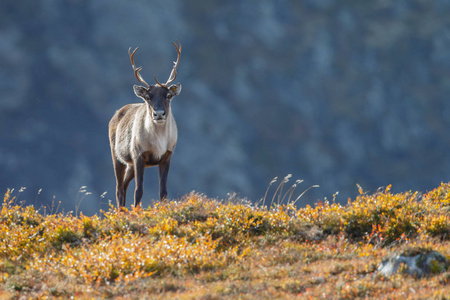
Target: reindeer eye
pixel 169 96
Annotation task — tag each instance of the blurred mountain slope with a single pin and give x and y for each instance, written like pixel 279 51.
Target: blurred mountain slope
pixel 334 92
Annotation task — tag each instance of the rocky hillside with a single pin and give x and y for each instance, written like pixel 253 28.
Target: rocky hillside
pixel 334 92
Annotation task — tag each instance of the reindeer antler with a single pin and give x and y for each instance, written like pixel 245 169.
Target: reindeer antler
pixel 173 74
pixel 136 70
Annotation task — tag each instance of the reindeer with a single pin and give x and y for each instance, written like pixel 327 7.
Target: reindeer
pixel 144 134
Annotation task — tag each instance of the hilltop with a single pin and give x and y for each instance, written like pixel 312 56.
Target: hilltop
pixel 197 247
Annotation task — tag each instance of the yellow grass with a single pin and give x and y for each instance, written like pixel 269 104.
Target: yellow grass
pixel 204 248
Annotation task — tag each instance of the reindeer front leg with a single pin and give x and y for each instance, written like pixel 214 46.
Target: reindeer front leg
pixel 139 180
pixel 163 172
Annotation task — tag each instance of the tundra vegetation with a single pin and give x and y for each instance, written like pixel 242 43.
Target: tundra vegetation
pixel 197 247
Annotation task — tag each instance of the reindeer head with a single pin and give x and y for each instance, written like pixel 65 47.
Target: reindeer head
pixel 157 97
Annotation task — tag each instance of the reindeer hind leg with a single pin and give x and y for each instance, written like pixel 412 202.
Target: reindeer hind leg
pixel 119 170
pixel 129 175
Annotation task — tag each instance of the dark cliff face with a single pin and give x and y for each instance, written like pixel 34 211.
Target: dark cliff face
pixel 334 92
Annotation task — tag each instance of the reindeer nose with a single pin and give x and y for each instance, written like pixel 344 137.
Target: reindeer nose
pixel 159 114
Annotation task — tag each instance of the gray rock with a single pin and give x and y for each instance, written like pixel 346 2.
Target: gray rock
pixel 416 264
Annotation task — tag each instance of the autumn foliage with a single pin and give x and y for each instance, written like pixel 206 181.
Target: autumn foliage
pixel 205 247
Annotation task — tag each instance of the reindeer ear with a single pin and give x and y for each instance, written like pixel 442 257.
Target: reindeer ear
pixel 175 89
pixel 139 91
